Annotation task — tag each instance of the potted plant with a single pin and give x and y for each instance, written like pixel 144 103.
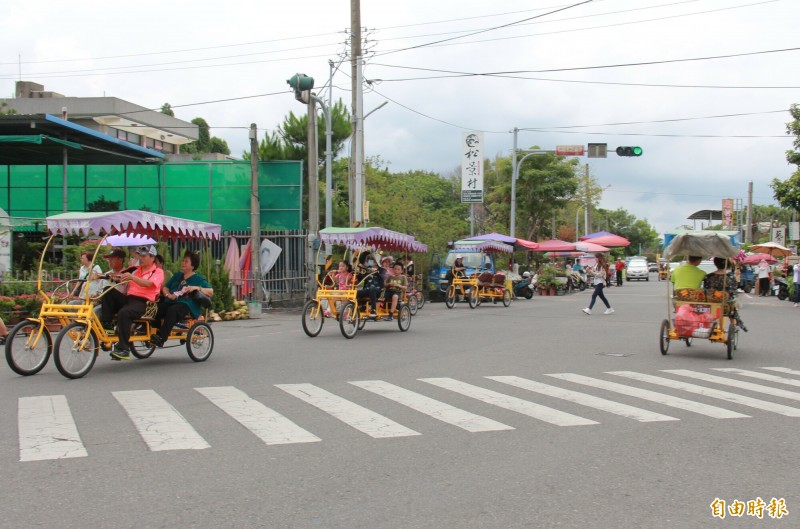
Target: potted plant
pixel 547 279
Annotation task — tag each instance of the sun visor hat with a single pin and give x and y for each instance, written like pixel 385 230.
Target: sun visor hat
pixel 146 250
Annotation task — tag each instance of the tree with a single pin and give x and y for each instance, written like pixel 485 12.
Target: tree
pixel 101 204
pixel 5 110
pixel 205 142
pixel 545 185
pixel 787 192
pixel 166 108
pixel 639 232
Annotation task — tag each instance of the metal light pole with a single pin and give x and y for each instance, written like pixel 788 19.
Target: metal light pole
pixel 514 176
pixel 363 180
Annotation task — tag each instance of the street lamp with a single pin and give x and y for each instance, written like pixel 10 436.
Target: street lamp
pixel 514 176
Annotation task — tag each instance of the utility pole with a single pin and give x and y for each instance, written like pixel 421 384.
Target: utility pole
pixel 359 145
pixel 513 221
pixel 313 196
pixel 586 214
pixel 255 214
pixel 355 54
pixel 748 232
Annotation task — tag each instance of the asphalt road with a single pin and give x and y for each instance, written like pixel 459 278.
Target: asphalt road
pixel 399 430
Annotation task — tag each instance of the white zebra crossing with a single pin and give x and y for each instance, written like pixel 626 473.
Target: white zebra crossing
pixel 531 409
pixel 713 393
pixel 267 424
pixel 609 406
pixel 360 418
pixel 758 388
pixel 652 396
pixel 439 410
pixel 760 376
pixel 159 424
pixel 47 429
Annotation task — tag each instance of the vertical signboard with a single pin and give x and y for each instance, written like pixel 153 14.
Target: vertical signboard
pixel 5 242
pixel 472 167
pixel 794 231
pixel 779 235
pixel 727 213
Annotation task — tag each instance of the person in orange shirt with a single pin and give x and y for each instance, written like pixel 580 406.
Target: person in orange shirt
pixel 144 285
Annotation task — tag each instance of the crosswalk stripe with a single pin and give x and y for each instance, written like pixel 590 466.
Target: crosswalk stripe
pixel 762 376
pixel 350 413
pixel 583 399
pixel 776 392
pixel 434 408
pixel 713 393
pixel 783 370
pixel 652 396
pixel 267 424
pixel 159 424
pixel 531 409
pixel 47 429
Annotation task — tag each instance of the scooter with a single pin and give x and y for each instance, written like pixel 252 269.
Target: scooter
pixel 524 287
pixel 781 288
pixel 578 279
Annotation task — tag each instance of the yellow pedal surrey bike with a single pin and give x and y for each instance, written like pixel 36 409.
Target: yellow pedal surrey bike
pixel 345 305
pixel 478 285
pixel 82 336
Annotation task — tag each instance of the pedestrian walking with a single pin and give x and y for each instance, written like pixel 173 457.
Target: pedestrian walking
pixel 599 273
pixel 796 283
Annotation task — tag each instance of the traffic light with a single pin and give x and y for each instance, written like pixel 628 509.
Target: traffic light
pixel 301 83
pixel 629 151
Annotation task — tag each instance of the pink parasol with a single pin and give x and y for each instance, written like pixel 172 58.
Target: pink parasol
pixel 591 247
pixel 610 240
pixel 755 258
pixel 231 264
pixel 555 245
pixel 244 266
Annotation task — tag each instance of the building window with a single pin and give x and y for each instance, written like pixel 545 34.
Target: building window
pixel 134 138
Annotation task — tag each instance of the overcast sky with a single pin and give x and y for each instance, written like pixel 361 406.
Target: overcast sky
pixel 185 52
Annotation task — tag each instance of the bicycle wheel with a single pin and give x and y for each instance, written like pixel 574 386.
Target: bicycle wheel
pixel 27 351
pixel 506 298
pixel 663 337
pixel 75 350
pixel 730 343
pixel 142 350
pixel 313 318
pixel 349 320
pixel 199 341
pixel 420 299
pixel 412 304
pixel 404 318
pixel 450 297
pixel 474 299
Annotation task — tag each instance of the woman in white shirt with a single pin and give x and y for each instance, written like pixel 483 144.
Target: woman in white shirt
pixel 763 278
pixel 600 273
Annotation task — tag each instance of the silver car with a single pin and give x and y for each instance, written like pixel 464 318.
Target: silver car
pixel 637 269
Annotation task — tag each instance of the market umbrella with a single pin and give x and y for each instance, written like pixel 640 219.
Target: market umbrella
pixel 610 240
pixel 555 245
pixel 595 234
pixel 772 248
pixel 128 240
pixel 244 266
pixel 231 264
pixel 755 258
pixel 591 247
pixel 550 255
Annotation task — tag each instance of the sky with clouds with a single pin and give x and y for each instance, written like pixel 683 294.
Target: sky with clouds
pixel 703 86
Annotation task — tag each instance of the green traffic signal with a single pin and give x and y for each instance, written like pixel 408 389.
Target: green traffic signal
pixel 629 151
pixel 301 82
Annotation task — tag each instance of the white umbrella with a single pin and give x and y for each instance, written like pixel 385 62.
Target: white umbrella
pixel 771 248
pixel 128 240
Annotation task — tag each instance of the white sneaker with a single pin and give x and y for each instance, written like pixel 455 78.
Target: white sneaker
pixel 587 311
pixel 796 305
pixel 609 311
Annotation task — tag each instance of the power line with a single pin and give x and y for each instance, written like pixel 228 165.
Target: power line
pixel 487 29
pixel 579 68
pixel 656 135
pixel 283 92
pixel 741 114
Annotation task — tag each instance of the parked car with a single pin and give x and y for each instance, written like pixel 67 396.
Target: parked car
pixel 637 269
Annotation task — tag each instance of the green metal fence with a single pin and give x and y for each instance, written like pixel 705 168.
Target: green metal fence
pixel 210 191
